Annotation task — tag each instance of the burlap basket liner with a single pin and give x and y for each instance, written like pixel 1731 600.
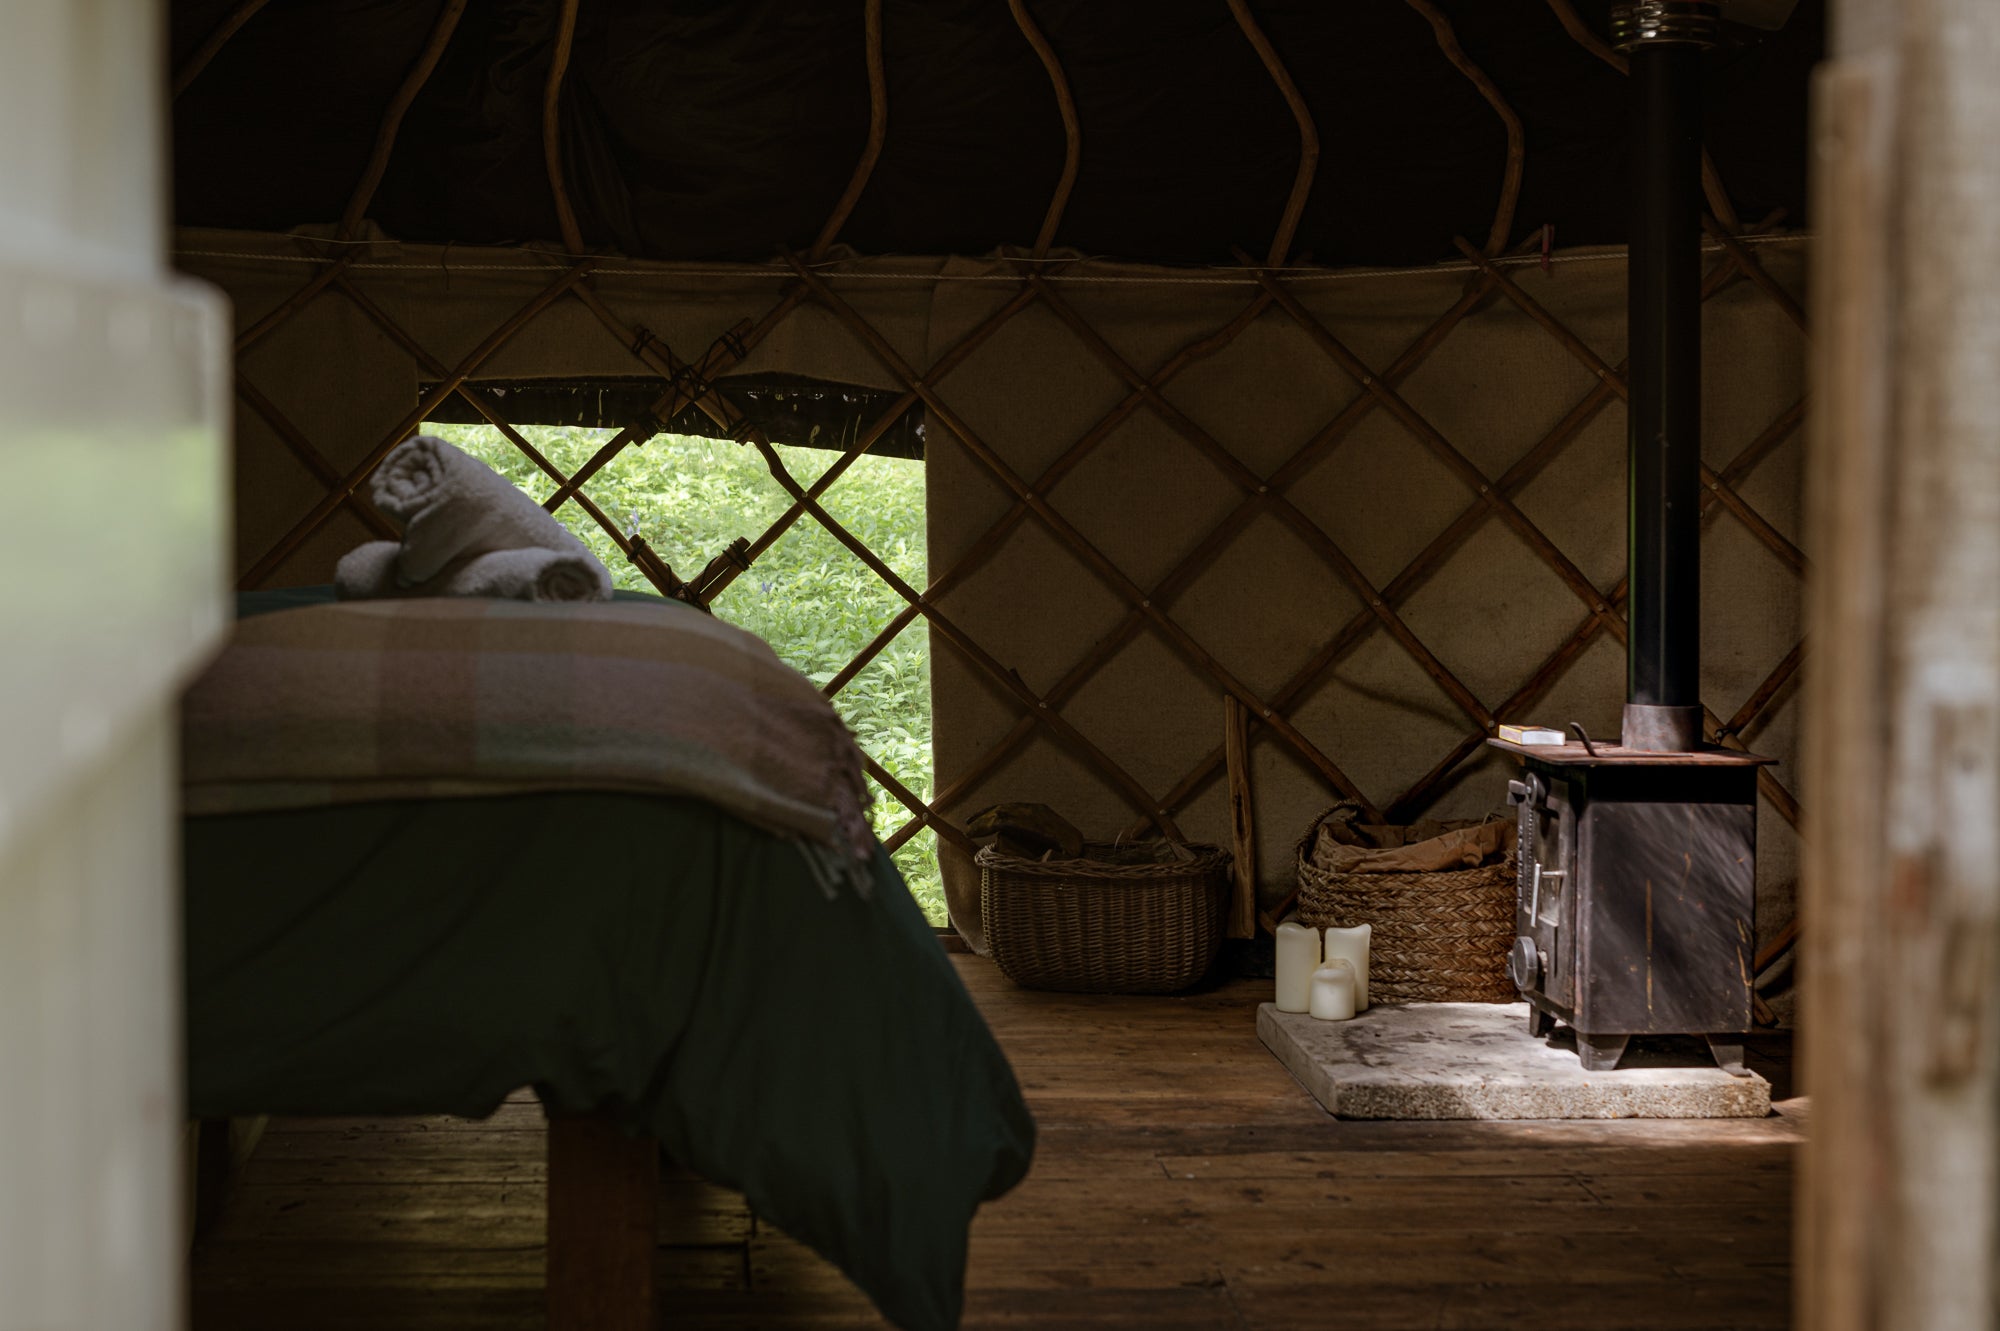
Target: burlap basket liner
pixel 1435 937
pixel 1097 926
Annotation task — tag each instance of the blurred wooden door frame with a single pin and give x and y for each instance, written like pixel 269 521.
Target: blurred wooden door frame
pixel 1899 1205
pixel 113 381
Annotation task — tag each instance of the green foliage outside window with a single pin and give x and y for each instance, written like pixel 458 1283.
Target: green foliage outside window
pixel 808 596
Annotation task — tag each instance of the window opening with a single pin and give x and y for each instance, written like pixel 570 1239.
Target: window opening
pixel 807 595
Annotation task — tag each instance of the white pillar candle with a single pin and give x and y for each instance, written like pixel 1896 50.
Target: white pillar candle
pixel 1333 991
pixel 1351 946
pixel 1298 958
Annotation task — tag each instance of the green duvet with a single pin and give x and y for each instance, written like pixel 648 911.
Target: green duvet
pixel 646 955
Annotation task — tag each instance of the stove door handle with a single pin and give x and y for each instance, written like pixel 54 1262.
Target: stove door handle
pixel 1535 891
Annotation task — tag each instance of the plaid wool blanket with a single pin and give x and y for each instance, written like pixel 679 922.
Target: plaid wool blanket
pixel 419 699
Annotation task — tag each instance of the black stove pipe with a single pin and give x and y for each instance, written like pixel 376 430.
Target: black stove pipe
pixel 1663 704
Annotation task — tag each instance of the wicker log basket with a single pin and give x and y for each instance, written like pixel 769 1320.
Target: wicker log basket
pixel 1435 937
pixel 1142 918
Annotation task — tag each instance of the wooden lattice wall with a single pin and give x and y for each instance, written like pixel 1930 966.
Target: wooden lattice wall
pixel 1240 486
pixel 1381 514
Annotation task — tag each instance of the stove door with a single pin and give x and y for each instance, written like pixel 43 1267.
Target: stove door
pixel 1552 894
pixel 1544 957
pixel 1545 914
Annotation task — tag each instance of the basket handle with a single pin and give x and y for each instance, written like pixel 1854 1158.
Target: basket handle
pixel 1305 842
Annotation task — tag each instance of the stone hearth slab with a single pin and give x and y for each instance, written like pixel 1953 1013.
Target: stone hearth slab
pixel 1477 1060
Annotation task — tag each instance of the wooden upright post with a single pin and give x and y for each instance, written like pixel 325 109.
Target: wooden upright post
pixel 1242 823
pixel 603 1215
pixel 1899 1197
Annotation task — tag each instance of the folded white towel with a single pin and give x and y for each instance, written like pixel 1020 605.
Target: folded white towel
pixel 454 508
pixel 368 572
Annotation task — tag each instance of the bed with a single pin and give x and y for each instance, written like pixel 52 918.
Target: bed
pixel 650 960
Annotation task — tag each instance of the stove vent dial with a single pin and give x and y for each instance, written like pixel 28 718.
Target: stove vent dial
pixel 1524 964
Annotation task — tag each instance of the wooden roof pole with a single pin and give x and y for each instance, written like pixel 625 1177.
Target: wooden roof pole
pixel 1072 127
pixel 1517 147
pixel 572 235
pixel 392 119
pixel 878 128
pixel 1295 204
pixel 212 44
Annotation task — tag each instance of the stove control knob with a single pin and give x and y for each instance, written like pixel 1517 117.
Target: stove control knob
pixel 1524 964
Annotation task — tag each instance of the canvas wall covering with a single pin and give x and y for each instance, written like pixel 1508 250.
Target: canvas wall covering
pixel 1193 495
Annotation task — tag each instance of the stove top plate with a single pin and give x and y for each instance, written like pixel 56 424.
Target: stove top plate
pixel 1613 755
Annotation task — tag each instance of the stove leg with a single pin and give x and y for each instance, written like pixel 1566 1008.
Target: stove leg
pixel 1540 1023
pixel 1728 1051
pixel 1600 1053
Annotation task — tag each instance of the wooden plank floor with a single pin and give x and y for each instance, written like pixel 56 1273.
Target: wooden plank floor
pixel 1183 1180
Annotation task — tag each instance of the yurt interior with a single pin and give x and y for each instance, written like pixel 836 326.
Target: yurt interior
pixel 1000 663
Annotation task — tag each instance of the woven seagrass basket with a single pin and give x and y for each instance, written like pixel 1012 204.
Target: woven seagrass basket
pixel 1144 918
pixel 1434 937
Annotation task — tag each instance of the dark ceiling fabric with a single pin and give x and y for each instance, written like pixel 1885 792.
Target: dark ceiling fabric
pixel 726 129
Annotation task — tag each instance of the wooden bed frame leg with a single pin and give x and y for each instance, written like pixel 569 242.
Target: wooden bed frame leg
pixel 603 1217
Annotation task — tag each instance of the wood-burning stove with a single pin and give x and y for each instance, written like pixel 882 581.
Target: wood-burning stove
pixel 1636 903
pixel 1636 910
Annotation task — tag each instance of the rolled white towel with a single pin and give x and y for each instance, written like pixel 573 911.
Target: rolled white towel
pixel 455 507
pixel 529 575
pixel 368 572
